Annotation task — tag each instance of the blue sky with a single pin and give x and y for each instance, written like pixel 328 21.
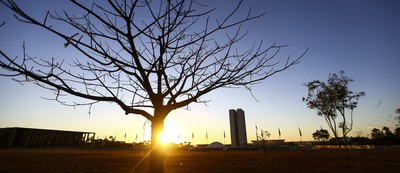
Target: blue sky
pixel 360 37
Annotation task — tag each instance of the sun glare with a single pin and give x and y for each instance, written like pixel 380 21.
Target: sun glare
pixel 163 138
pixel 170 135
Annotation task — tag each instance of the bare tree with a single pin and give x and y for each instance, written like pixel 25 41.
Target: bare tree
pixel 333 99
pixel 264 135
pixel 148 66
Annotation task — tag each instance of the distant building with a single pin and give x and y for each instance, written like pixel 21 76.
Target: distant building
pixel 41 138
pixel 238 128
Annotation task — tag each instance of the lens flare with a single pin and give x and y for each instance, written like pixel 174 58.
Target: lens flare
pixel 163 138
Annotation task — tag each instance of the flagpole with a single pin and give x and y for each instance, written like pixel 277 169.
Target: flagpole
pixel 256 132
pixel 224 137
pixel 192 138
pixel 300 134
pixel 206 137
pixel 279 131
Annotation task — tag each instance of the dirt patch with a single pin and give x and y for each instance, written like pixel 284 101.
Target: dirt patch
pixel 107 161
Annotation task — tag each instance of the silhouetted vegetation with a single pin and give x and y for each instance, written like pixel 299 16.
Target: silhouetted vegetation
pixel 385 136
pixel 264 135
pixel 111 143
pixel 332 99
pixel 321 135
pixel 147 66
pixel 349 141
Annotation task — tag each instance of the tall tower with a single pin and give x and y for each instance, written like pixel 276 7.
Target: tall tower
pixel 238 127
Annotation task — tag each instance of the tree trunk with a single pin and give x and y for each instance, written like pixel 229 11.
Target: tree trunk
pixel 344 158
pixel 346 150
pixel 264 146
pixel 157 154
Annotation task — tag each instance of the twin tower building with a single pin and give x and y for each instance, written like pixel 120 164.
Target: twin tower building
pixel 238 128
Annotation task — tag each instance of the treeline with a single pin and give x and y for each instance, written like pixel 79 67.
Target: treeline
pixel 110 142
pixel 383 137
pixel 349 141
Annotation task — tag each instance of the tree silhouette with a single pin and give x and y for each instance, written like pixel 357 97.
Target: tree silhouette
pixel 377 134
pixel 321 135
pixel 148 66
pixel 264 135
pixel 333 99
pixel 385 136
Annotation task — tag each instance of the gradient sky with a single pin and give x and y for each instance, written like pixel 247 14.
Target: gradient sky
pixel 360 37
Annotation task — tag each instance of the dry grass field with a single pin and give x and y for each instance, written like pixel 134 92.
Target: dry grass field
pixel 123 161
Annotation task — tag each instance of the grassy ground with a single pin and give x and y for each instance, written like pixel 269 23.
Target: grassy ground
pixel 123 161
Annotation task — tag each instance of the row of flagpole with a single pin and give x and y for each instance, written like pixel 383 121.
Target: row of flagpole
pixel 136 137
pixel 279 133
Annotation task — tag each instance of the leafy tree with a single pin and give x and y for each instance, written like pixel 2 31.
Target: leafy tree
pixel 377 135
pixel 390 138
pixel 321 135
pixel 332 99
pixel 387 131
pixel 397 134
pixel 385 136
pixel 147 66
pixel 397 131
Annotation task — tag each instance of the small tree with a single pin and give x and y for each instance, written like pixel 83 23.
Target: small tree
pixel 332 99
pixel 321 135
pixel 264 135
pixel 148 66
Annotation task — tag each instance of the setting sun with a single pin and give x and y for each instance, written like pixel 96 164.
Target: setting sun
pixel 170 134
pixel 163 138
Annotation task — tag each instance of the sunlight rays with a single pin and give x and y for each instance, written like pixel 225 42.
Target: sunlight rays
pixel 170 134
